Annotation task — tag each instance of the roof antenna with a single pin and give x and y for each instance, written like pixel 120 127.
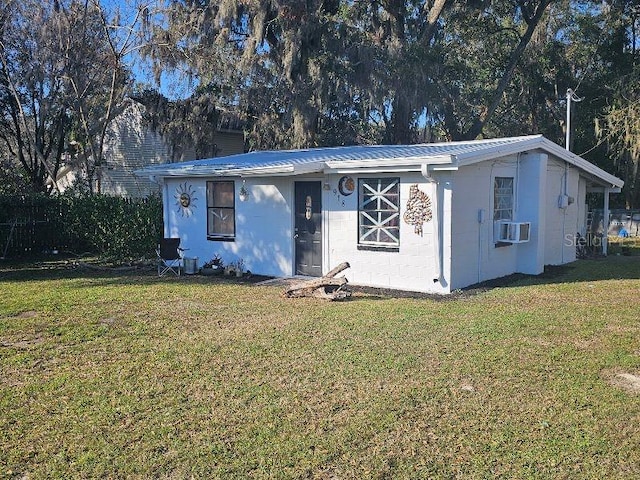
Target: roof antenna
pixel 571 97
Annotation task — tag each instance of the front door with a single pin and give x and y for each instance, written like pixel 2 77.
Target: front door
pixel 308 228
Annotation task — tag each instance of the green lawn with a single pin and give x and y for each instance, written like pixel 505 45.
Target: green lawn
pixel 128 375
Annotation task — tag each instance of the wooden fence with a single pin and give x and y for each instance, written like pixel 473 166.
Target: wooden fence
pixel 31 226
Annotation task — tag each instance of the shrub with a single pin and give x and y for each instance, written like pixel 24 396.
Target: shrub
pixel 113 227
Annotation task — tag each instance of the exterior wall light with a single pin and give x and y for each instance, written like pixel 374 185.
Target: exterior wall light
pixel 243 194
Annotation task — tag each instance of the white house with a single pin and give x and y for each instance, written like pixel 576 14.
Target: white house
pixel 428 218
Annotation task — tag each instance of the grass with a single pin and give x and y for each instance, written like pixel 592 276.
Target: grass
pixel 128 375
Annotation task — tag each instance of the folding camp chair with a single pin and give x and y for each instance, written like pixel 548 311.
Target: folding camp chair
pixel 169 256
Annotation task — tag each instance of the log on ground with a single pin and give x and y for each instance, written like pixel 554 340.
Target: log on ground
pixel 328 287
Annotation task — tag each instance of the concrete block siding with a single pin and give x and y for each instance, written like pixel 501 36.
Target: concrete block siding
pixel 263 225
pixel 410 267
pixel 538 182
pixel 561 222
pixel 264 237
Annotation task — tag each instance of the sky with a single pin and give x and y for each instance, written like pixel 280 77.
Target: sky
pixel 173 85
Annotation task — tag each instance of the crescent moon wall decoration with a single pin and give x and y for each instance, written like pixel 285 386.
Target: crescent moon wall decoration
pixel 346 185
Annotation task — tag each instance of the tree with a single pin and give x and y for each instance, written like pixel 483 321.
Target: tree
pixel 482 49
pixel 604 57
pixel 95 46
pixel 186 124
pixel 620 129
pixel 335 72
pixel 33 122
pixel 618 125
pixel 62 76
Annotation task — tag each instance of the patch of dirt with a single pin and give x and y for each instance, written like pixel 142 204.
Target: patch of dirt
pixel 109 321
pixel 22 344
pixel 253 279
pixel 279 282
pixel 625 381
pixel 467 292
pixel 591 344
pixel 621 329
pixel 247 278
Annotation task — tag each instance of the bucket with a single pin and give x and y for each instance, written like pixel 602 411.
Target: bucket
pixel 190 265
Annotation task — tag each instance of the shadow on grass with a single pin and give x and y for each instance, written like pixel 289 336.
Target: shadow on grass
pixel 613 267
pixel 99 273
pixel 589 270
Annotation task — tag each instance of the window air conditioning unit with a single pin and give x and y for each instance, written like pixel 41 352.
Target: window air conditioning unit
pixel 515 232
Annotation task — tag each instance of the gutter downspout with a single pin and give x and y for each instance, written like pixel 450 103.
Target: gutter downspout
pixel 437 250
pixel 605 221
pixel 564 210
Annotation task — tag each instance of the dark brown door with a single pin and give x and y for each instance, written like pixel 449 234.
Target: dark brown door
pixel 308 228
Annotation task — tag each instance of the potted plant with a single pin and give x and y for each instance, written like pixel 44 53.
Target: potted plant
pixel 239 267
pixel 215 266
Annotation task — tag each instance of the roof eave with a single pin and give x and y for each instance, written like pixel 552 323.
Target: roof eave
pixel 604 178
pixel 539 142
pixel 276 170
pixel 391 165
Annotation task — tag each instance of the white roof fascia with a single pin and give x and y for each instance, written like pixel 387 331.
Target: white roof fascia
pixel 248 171
pixel 539 142
pixel 386 165
pixel 443 168
pixel 381 169
pixel 606 178
pixel 280 170
pixel 289 169
pixel 223 172
pixel 315 167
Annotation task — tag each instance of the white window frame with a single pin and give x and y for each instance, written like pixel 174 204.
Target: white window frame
pixel 503 199
pixel 379 212
pixel 223 212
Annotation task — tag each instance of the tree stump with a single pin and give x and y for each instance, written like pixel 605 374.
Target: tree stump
pixel 328 287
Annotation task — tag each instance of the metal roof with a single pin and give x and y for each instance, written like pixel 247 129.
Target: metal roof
pixel 396 157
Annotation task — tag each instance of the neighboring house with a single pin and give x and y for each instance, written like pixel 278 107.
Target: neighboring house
pixel 131 145
pixel 428 218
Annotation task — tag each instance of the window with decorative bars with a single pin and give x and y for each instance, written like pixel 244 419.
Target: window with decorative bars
pixel 379 212
pixel 503 198
pixel 221 213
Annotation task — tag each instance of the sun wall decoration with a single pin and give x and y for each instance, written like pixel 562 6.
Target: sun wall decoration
pixel 185 199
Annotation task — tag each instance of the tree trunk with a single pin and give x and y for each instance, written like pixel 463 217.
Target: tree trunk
pixel 516 55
